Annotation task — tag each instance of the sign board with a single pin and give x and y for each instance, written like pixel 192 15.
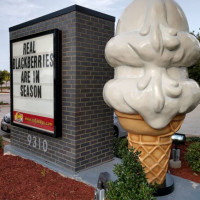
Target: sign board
pixel 36 82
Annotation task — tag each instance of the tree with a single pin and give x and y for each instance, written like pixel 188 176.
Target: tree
pixel 194 71
pixel 1 79
pixel 6 76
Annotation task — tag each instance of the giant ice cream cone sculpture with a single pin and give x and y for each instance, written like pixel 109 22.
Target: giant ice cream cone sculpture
pixel 154 144
pixel 151 91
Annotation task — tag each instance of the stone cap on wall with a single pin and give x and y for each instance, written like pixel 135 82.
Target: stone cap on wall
pixel 62 12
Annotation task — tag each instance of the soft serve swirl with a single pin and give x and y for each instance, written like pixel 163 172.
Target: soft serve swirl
pixel 150 53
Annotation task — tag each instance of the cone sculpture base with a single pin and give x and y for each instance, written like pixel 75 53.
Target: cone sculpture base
pixel 167 187
pixel 154 144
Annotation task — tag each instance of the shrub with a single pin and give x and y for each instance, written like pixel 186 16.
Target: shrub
pixel 1 142
pixel 119 145
pixel 193 156
pixel 193 139
pixel 131 183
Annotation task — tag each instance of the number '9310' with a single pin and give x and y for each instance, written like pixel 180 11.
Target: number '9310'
pixel 37 143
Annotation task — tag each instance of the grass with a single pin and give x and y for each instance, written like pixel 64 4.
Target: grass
pixel 2 103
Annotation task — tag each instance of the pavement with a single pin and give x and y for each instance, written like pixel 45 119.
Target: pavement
pixel 184 189
pixel 5 97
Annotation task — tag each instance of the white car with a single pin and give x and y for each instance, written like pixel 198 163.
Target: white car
pixel 118 130
pixel 5 123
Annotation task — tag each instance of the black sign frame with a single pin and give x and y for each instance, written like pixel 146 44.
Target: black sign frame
pixel 57 73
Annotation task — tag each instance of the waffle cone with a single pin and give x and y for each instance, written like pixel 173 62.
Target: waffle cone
pixel 154 144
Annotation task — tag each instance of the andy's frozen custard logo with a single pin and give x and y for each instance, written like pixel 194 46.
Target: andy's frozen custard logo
pixel 18 117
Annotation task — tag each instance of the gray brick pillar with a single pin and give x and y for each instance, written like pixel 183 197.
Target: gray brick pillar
pixel 86 120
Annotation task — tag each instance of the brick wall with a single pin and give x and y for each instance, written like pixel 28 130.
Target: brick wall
pixel 86 120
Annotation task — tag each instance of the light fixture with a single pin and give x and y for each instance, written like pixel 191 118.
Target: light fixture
pixel 103 179
pixel 177 139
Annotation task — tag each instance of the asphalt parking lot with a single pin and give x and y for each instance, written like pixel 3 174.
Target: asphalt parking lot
pixel 5 97
pixel 4 109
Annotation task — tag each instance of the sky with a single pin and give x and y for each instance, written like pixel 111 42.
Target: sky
pixel 13 12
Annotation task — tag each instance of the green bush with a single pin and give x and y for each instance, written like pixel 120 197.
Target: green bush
pixel 131 183
pixel 1 142
pixel 193 139
pixel 193 156
pixel 119 145
pixel 194 72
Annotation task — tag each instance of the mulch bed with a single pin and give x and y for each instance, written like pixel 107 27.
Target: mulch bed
pixel 185 171
pixel 22 179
